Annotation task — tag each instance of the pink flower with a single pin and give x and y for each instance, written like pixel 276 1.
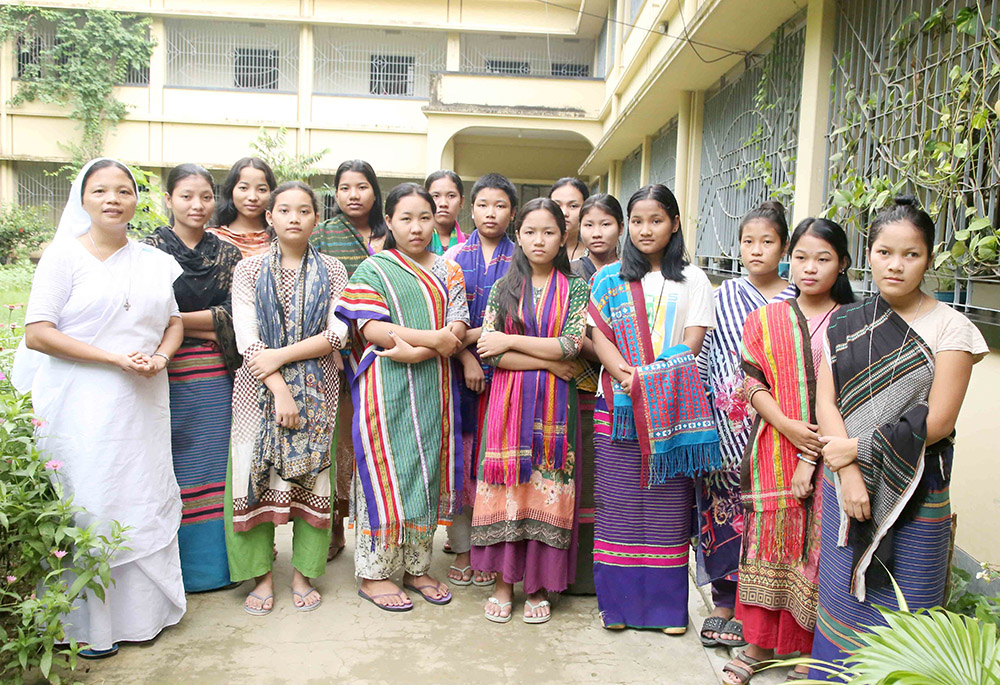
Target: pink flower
pixel 3 376
pixel 12 307
pixel 54 464
pixel 37 423
pixel 32 595
pixel 59 553
pixel 14 326
pixel 11 579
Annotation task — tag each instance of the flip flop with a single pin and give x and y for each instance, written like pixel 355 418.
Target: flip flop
pixel 498 619
pixel 262 611
pixel 794 675
pixel 90 653
pixel 733 627
pixel 712 624
pixel 483 583
pixel 537 619
pixel 302 595
pixel 383 607
pixel 460 582
pixel 420 589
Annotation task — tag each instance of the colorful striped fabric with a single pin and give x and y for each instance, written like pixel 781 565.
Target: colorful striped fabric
pixel 777 358
pixel 641 537
pixel 201 391
pixel 338 238
pixel 406 437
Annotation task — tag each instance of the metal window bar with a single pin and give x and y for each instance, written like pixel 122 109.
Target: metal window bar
pixel 601 60
pixel 232 55
pixel 663 156
pixel 631 175
pixel 29 49
pixel 910 84
pixel 377 61
pixel 527 55
pixel 36 188
pixel 750 136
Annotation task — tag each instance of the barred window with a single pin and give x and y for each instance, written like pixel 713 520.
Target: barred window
pixel 507 66
pixel 527 55
pixel 255 68
pixel 391 75
pixel 569 70
pixel 29 55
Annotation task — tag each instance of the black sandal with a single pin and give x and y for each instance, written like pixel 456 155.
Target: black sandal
pixel 732 627
pixel 712 624
pixel 743 674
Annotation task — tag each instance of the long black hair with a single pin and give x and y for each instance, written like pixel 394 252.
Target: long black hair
pixel 517 280
pixel 833 233
pixel 773 212
pixel 397 194
pixel 225 209
pixel 635 264
pixel 376 218
pixel 607 204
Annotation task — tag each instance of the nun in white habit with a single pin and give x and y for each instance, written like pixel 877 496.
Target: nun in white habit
pixel 101 325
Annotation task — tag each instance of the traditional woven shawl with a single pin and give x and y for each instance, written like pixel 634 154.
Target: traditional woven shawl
pixel 479 280
pixel 296 455
pixel 672 397
pixel 406 441
pixel 456 237
pixel 777 358
pixel 338 238
pixel 526 425
pixel 883 373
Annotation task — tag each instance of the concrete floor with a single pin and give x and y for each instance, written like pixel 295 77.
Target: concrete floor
pixel 348 640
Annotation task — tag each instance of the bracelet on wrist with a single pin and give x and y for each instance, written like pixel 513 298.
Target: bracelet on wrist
pixel 160 354
pixel 806 460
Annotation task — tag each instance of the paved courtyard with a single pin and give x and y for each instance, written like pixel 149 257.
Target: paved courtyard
pixel 347 640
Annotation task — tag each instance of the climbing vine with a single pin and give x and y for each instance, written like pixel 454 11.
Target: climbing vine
pixel 927 124
pixel 75 59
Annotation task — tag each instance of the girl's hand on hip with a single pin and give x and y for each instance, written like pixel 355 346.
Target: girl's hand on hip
pixel 839 452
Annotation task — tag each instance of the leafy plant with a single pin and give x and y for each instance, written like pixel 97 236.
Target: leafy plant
pixel 150 212
pixel 286 167
pixel 21 231
pixel 961 600
pixel 90 53
pixel 927 646
pixel 46 560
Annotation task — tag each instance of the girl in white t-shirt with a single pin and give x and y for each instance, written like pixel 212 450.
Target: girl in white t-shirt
pixel 641 307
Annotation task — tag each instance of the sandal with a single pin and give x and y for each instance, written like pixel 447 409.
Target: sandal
pixel 263 611
pixel 712 624
pixel 498 618
pixel 91 653
pixel 794 675
pixel 461 582
pixel 386 607
pixel 302 596
pixel 433 600
pixel 743 674
pixel 732 627
pixel 537 619
pixel 483 583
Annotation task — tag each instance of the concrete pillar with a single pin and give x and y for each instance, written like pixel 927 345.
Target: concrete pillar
pixel 453 56
pixel 306 54
pixel 157 81
pixel 814 109
pixel 615 180
pixel 689 129
pixel 645 160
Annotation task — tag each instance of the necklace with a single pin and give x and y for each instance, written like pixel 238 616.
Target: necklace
pixel 876 412
pixel 812 334
pixel 128 293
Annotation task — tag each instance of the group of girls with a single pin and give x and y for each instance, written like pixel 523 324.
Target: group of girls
pixel 561 408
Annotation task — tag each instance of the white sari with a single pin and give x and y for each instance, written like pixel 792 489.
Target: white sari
pixel 111 429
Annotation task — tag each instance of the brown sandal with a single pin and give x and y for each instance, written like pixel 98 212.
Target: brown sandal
pixel 745 675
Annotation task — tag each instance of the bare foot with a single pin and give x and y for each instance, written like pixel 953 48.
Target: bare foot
pixel 427 586
pixel 461 570
pixel 504 594
pixel 307 595
pixel 539 606
pixel 392 596
pixel 264 588
pixel 483 578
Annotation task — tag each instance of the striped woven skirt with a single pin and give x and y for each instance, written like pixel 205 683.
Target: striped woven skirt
pixel 201 393
pixel 921 569
pixel 641 537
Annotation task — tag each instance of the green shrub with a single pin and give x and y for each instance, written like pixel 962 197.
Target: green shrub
pixel 22 229
pixel 46 561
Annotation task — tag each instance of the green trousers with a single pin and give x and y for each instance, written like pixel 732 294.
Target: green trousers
pixel 251 553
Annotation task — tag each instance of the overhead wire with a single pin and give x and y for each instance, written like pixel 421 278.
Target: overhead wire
pixel 686 38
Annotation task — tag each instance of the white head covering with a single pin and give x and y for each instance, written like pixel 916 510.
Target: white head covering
pixel 75 221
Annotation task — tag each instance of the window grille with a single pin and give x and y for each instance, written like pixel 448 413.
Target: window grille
pixel 29 55
pixel 377 61
pixel 527 55
pixel 631 175
pixel 663 156
pixel 30 58
pixel 225 55
pixel 37 186
pixel 602 51
pixel 890 88
pixel 749 140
